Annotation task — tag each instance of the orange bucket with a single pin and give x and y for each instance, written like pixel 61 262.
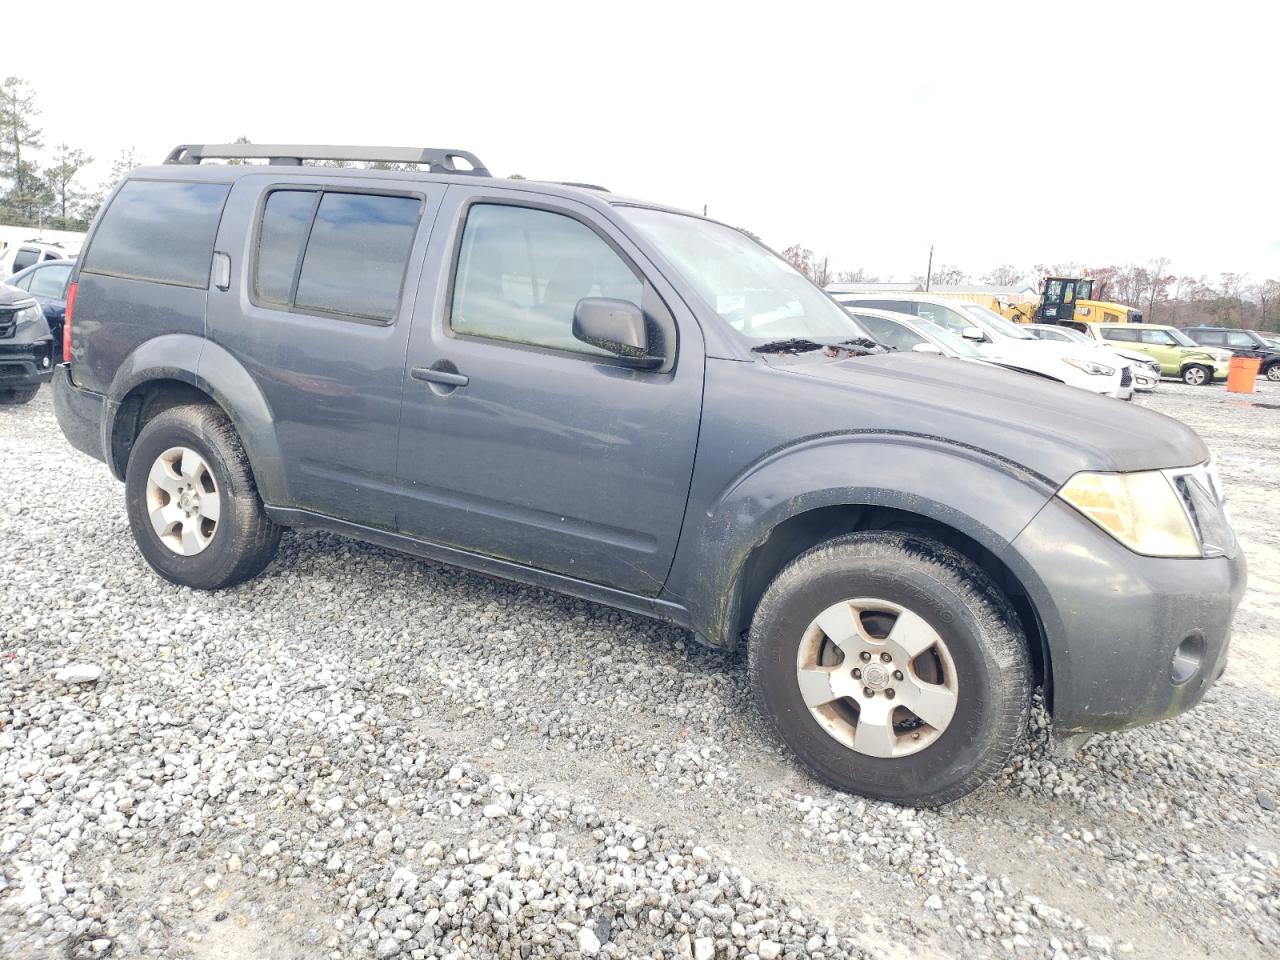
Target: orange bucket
pixel 1241 374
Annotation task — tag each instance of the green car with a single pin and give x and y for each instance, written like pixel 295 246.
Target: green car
pixel 1179 356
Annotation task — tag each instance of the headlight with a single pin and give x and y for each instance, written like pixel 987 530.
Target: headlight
pixel 1141 510
pixel 1091 367
pixel 30 314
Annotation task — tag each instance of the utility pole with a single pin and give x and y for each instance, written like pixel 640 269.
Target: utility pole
pixel 929 273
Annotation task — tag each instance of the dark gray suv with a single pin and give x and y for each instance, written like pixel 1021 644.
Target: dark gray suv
pixel 648 409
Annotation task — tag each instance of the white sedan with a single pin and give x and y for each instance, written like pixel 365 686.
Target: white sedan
pixel 1003 341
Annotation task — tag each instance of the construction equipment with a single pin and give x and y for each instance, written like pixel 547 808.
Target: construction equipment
pixel 1069 301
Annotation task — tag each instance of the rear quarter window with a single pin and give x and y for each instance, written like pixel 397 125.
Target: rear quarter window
pixel 162 231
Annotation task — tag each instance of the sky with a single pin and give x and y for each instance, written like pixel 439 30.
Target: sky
pixel 1017 133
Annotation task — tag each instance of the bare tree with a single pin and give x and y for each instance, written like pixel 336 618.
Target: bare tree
pixel 945 274
pixel 1005 275
pixel 859 275
pixel 1158 283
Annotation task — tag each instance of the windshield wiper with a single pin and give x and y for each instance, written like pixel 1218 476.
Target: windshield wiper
pixel 790 345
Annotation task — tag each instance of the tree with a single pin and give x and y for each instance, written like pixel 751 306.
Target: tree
pixel 240 139
pixel 944 275
pixel 1158 284
pixel 19 135
pixel 799 257
pixel 859 275
pixel 60 178
pixel 1005 275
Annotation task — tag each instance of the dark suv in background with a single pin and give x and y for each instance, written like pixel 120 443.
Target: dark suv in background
pixel 1241 343
pixel 648 409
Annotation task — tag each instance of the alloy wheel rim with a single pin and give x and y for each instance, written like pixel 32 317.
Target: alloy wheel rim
pixel 1273 372
pixel 183 502
pixel 1195 376
pixel 877 678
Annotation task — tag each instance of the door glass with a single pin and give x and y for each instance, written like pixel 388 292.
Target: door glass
pixel 891 334
pixel 356 255
pixel 521 273
pixel 24 258
pixel 285 221
pixel 1239 340
pixel 1120 333
pixel 1053 292
pixel 23 284
pixel 944 317
pixel 1157 338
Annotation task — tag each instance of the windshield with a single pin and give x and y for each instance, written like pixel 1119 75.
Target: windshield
pixel 993 321
pixel 1180 338
pixel 949 341
pixel 1075 336
pixel 757 293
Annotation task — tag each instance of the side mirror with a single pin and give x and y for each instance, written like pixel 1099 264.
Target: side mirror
pixel 927 347
pixel 973 333
pixel 614 325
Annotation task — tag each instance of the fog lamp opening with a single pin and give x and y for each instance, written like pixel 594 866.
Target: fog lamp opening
pixel 1187 659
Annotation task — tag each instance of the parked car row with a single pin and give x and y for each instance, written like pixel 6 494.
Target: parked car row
pixel 33 303
pixel 650 409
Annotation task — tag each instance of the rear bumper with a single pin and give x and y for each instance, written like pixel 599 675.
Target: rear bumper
pixel 79 413
pixel 1113 621
pixel 25 364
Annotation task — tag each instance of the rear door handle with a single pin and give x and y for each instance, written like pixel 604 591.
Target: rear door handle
pixel 447 377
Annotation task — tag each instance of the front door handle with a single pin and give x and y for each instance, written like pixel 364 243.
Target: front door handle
pixel 447 377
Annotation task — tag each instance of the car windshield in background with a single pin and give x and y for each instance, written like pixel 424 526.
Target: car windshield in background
pixel 753 290
pixel 996 322
pixel 1076 336
pixel 957 345
pixel 1181 339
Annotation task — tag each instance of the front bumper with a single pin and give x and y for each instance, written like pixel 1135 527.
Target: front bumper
pixel 1113 619
pixel 1221 369
pixel 26 364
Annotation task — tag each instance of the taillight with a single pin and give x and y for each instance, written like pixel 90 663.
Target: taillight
pixel 66 322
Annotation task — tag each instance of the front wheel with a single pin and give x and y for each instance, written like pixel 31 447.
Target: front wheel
pixel 1273 372
pixel 18 395
pixel 893 667
pixel 193 505
pixel 1197 375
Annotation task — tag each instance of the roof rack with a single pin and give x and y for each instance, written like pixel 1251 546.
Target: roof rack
pixel 292 155
pixel 580 186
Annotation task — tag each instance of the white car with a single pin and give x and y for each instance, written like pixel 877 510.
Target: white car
pixel 1004 341
pixel 20 255
pixel 1146 370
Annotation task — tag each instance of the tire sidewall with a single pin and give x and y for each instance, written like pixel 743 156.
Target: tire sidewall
pixel 944 765
pixel 162 433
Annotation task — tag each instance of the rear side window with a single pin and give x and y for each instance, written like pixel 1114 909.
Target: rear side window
pixel 356 249
pixel 160 231
pixel 1120 333
pixel 1212 339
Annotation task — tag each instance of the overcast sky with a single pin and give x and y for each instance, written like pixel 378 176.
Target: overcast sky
pixel 1018 133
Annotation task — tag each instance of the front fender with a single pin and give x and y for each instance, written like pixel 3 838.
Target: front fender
pixel 987 499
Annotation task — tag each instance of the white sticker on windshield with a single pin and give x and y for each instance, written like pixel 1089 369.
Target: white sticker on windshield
pixel 727 303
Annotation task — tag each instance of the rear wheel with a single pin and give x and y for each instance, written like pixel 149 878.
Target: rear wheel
pixel 893 667
pixel 1197 375
pixel 18 395
pixel 193 505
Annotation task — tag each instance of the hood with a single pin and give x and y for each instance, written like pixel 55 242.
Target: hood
pixel 12 296
pixel 1048 428
pixel 1043 356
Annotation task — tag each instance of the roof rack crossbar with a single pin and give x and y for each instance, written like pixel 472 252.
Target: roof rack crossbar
pixel 291 154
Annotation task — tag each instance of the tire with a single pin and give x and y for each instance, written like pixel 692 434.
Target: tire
pixel 1273 372
pixel 987 656
pixel 1197 375
pixel 16 396
pixel 234 547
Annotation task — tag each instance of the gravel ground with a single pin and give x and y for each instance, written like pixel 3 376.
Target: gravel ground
pixel 362 755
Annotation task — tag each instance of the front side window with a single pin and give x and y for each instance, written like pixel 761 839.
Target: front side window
pixel 1239 340
pixel 49 281
pixel 159 230
pixel 521 273
pixel 889 333
pixel 353 265
pixel 945 317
